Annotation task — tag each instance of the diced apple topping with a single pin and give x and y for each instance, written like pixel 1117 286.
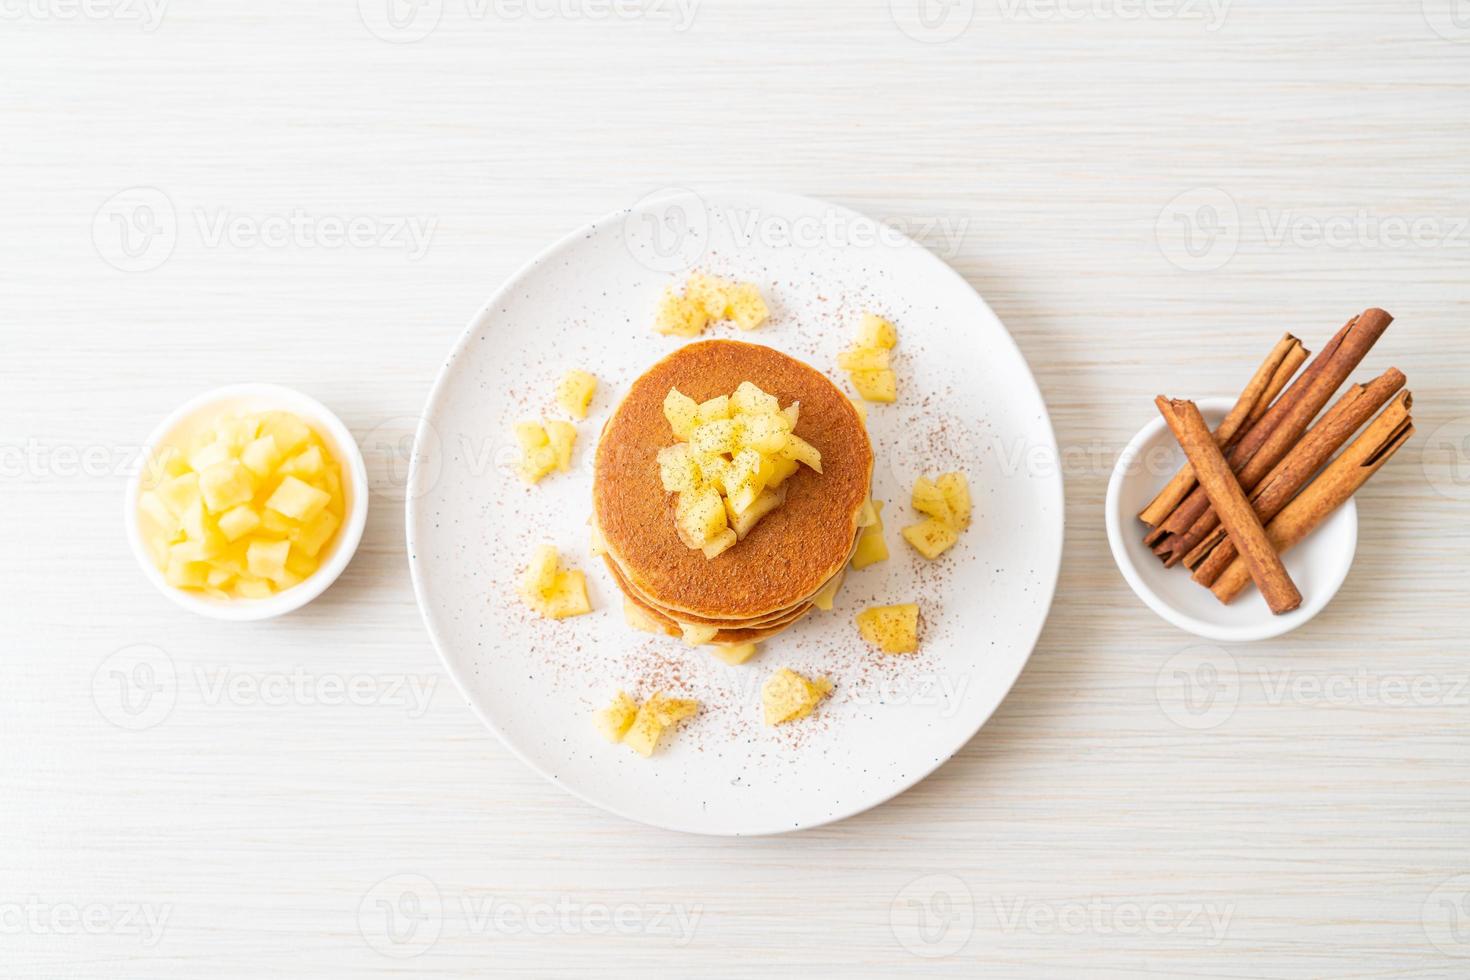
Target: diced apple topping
pixel 892 629
pixel 551 590
pixel 787 696
pixel 730 466
pixel 641 726
pixel 236 515
pixel 698 636
pixel 574 393
pixel 734 654
pixel 945 502
pixel 707 298
pixel 867 362
pixel 640 620
pixel 871 548
pixel 545 446
pixel 615 720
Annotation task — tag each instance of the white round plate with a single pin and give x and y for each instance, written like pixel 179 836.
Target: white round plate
pixel 967 401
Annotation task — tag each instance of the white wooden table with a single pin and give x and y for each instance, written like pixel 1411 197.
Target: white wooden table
pixel 321 195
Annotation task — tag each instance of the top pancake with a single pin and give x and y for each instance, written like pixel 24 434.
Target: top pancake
pixel 793 550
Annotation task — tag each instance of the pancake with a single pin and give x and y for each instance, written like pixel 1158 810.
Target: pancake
pixel 671 626
pixel 722 622
pixel 793 551
pixel 783 618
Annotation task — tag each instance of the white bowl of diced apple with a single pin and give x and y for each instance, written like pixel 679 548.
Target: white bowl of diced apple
pixel 249 501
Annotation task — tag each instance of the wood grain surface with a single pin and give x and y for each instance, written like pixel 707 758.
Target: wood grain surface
pixel 321 195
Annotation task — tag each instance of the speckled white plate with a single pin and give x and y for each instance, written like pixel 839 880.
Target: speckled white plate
pixel 967 401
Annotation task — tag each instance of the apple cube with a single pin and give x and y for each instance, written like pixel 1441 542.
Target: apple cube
pixel 226 485
pixel 289 432
pixel 799 449
pixel 315 533
pixel 267 559
pixel 568 597
pixel 876 386
pixel 871 549
pixel 747 307
pixel 956 490
pixel 733 653
pixel 297 500
pixel 930 538
pixel 531 435
pixel 682 413
pixel 863 359
pixel 249 587
pixel 540 574
pixel 307 464
pixel 742 522
pixel 239 521
pixel 179 493
pixel 183 574
pixel 261 456
pixel 677 469
pixel 680 316
pixel 711 293
pixel 718 436
pixel 615 720
pixel 929 499
pixel 720 543
pixel 153 507
pixel 561 436
pixel 874 331
pixel 574 393
pixel 671 711
pixel 892 629
pixel 210 454
pixel 714 410
pixel 787 696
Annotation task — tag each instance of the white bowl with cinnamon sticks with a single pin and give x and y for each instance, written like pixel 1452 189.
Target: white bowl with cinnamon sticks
pixel 1255 531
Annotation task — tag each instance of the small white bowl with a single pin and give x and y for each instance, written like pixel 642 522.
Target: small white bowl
pixel 260 398
pixel 1318 565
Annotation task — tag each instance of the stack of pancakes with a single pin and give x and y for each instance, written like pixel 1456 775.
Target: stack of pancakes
pixel 769 580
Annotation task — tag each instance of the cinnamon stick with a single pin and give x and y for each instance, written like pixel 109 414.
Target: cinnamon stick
pixel 1268 381
pixel 1229 501
pixel 1354 408
pixel 1336 484
pixel 1268 442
